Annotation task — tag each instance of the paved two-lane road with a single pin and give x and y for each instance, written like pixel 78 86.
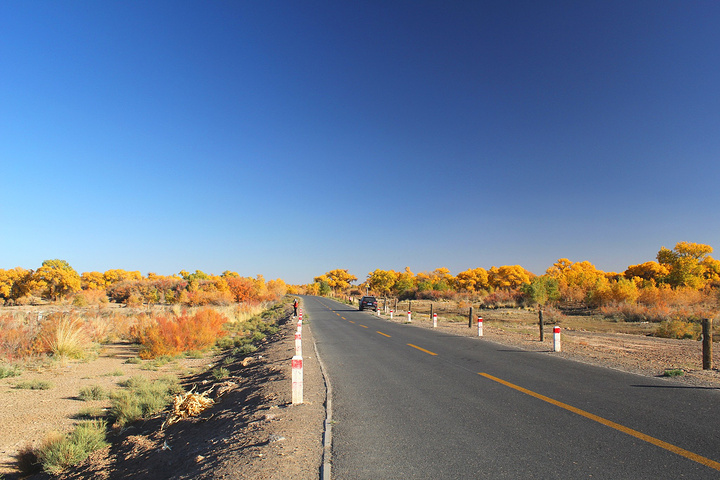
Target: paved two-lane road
pixel 415 403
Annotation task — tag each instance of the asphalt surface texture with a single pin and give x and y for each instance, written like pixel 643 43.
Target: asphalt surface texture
pixel 415 403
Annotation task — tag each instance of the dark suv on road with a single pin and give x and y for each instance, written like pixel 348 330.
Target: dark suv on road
pixel 369 303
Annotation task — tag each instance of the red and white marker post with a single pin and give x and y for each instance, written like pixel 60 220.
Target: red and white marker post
pixel 556 339
pixel 480 327
pixel 409 316
pixel 297 380
pixel 434 320
pixel 391 314
pixel 298 343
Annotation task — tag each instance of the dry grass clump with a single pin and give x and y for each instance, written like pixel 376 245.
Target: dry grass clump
pixel 187 405
pixel 64 336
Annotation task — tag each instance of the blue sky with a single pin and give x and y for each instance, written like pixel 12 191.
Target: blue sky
pixel 290 138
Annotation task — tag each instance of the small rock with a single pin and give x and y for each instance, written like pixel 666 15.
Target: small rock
pixel 276 438
pixel 199 458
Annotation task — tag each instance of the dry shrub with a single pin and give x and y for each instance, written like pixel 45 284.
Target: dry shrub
pixel 503 298
pixel 90 297
pixel 63 334
pixel 171 336
pixel 678 329
pixel 16 337
pixel 110 327
pixel 203 297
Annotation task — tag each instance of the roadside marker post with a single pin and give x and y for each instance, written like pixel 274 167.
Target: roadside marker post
pixel 480 326
pixel 297 380
pixel 378 311
pixel 391 314
pixel 434 320
pixel 409 316
pixel 298 343
pixel 556 339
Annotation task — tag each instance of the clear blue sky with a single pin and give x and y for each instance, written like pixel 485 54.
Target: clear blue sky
pixel 290 138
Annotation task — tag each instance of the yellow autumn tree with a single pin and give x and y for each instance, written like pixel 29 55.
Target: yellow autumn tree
pixel 92 281
pixel 576 279
pixel 118 275
pixel 508 277
pixel 56 279
pixel 338 279
pixel 382 282
pixel 651 271
pixel 15 283
pixel 473 280
pixel 685 264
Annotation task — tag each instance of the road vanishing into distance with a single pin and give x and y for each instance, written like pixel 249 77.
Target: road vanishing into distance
pixel 410 402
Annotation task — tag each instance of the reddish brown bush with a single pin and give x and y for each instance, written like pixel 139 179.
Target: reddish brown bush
pixel 171 336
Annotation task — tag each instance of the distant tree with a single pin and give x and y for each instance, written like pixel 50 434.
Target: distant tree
pixel 56 279
pixel 647 271
pixel 338 279
pixel 473 280
pixel 541 290
pixel 685 264
pixel 508 276
pixel 382 281
pixel 92 281
pixel 15 283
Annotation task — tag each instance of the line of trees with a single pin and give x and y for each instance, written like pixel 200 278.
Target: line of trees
pixel 56 280
pixel 685 276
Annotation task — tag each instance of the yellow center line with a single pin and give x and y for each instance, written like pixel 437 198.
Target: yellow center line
pixel 647 438
pixel 363 325
pixel 421 349
pixel 383 334
pixel 351 321
pixel 343 318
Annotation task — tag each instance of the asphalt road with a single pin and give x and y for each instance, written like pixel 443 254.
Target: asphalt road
pixel 414 403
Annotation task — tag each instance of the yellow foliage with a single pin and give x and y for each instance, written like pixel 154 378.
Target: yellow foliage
pixel 118 275
pixel 92 281
pixel 509 276
pixel 472 280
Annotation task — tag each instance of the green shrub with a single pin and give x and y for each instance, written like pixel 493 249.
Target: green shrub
pixel 676 372
pixel 134 360
pixel 142 398
pixel 64 451
pixel 9 371
pixel 92 392
pixel 246 349
pixel 34 385
pixel 220 373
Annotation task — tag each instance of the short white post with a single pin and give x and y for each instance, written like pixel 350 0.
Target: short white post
pixel 391 314
pixel 298 343
pixel 409 316
pixel 480 327
pixel 378 311
pixel 434 320
pixel 556 339
pixel 297 380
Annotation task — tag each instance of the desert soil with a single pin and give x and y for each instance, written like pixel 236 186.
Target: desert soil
pixel 253 431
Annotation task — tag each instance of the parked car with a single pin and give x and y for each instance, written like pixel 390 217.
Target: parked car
pixel 369 303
